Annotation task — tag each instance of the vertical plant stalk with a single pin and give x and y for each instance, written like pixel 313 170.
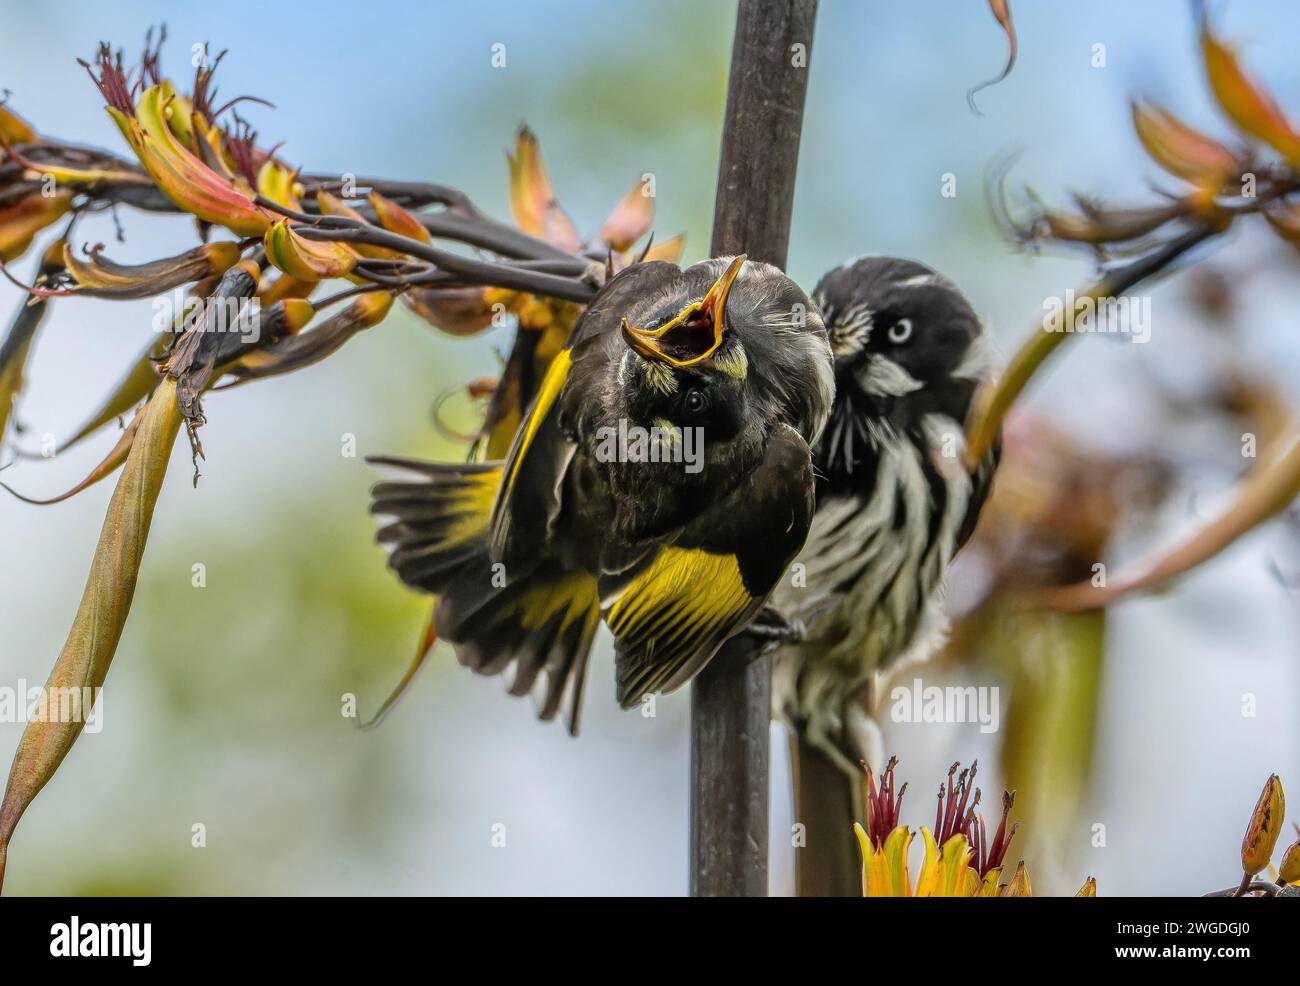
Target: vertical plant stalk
pixel 731 698
pixel 102 614
pixel 829 863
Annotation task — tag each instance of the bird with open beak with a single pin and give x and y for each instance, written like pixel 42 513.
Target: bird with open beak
pixel 662 479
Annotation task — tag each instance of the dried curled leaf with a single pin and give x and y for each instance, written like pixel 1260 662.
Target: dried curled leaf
pixel 97 627
pixel 1266 491
pixel 1002 12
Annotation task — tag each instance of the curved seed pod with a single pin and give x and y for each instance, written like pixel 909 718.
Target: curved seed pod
pixel 332 205
pixel 14 129
pixel 1249 106
pixel 1269 488
pixel 1264 828
pixel 456 311
pixel 106 467
pixel 18 342
pixel 1182 150
pixel 1289 871
pixel 81 667
pixel 22 220
pixel 395 219
pixel 310 347
pixel 130 391
pixel 306 260
pixel 99 277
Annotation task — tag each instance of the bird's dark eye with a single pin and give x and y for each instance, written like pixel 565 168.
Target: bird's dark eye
pixel 900 331
pixel 696 402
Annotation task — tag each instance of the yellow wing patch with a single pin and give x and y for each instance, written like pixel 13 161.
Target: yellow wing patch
pixel 672 617
pixel 471 507
pixel 552 384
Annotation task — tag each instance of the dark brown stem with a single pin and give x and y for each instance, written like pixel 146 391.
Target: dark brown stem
pixel 731 698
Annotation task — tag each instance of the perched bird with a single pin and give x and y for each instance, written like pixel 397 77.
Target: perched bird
pixel 894 501
pixel 661 478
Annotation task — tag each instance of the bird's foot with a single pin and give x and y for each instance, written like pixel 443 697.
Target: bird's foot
pixel 771 626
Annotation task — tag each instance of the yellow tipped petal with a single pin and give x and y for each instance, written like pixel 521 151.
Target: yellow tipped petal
pixel 1019 885
pixel 955 861
pixel 895 856
pixel 532 199
pixel 630 219
pixel 279 184
pixel 182 176
pixel 670 249
pixel 1264 828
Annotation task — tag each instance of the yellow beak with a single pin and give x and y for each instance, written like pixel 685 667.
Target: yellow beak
pixel 697 331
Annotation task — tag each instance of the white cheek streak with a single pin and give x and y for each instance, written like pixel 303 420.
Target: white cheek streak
pixel 979 361
pixel 884 378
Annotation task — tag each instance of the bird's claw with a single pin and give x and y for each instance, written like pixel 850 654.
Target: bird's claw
pixel 770 626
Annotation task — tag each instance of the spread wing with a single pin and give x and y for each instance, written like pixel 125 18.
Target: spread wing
pixel 672 615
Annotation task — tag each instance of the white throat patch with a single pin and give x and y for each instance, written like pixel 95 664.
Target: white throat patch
pixel 882 377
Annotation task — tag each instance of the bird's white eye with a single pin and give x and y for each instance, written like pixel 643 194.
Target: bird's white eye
pixel 900 331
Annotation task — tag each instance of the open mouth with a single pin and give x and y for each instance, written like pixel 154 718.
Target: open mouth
pixel 695 333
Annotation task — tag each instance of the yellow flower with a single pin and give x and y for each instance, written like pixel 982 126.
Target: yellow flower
pixel 961 859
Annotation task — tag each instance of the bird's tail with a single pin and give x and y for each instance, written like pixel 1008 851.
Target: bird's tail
pixel 436 518
pixel 534 626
